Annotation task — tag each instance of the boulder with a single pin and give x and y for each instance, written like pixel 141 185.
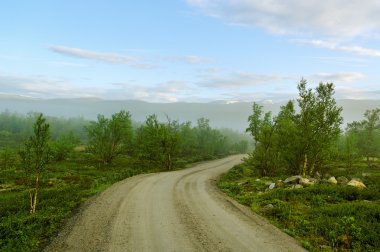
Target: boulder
pixel 332 180
pixel 267 208
pixel 342 180
pixel 293 179
pixel 356 183
pixel 305 182
pixel 271 186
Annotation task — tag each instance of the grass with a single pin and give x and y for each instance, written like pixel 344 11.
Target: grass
pixel 322 217
pixel 65 186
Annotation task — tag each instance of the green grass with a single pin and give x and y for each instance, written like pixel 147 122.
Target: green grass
pixel 322 217
pixel 65 186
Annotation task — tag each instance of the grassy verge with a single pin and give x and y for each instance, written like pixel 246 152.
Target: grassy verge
pixel 66 185
pixel 323 217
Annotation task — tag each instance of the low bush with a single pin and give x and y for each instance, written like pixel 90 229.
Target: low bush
pixel 323 217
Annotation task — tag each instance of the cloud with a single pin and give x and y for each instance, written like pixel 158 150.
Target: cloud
pixel 344 77
pixel 353 49
pixel 112 58
pixel 36 86
pixel 334 18
pixel 237 80
pixel 190 59
pixel 354 93
pixel 169 91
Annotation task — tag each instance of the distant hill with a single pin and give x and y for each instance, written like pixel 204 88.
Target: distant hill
pixel 221 114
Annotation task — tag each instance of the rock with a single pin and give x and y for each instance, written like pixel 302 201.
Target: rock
pixel 342 180
pixel 293 179
pixel 267 208
pixel 356 183
pixel 257 180
pixel 357 179
pixel 271 186
pixel 305 182
pixel 268 183
pixel 332 180
pixel 297 186
pixel 313 180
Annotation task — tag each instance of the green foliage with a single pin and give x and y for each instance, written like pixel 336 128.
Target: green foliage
pixel 16 128
pixel 8 159
pixel 158 143
pixel 109 137
pixel 297 142
pixel 35 156
pixel 366 134
pixel 63 146
pixel 324 217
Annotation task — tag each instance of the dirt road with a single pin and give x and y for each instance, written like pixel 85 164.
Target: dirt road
pixel 171 211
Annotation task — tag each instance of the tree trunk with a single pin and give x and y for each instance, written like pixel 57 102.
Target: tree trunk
pixel 304 165
pixel 33 196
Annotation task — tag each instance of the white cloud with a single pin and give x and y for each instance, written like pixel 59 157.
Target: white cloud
pixel 190 59
pixel 112 58
pixel 237 80
pixel 33 85
pixel 344 77
pixel 353 49
pixel 334 18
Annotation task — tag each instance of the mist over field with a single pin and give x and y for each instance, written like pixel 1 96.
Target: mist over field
pixel 221 114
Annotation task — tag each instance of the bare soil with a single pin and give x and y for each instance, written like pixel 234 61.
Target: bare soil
pixel 170 211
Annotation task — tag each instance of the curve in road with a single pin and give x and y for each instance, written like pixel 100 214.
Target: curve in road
pixel 171 211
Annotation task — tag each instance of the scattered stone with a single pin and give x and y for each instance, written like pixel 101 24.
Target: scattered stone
pixel 332 180
pixel 268 183
pixel 293 179
pixel 305 182
pixel 271 186
pixel 297 186
pixel 313 180
pixel 357 179
pixel 342 180
pixel 356 183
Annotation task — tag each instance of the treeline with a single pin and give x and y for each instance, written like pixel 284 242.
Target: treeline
pixel 361 139
pixel 166 145
pixel 304 140
pixel 162 144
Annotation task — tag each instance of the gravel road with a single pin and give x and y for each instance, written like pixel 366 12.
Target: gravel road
pixel 170 211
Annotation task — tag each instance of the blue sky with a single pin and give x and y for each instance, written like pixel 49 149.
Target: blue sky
pixel 192 51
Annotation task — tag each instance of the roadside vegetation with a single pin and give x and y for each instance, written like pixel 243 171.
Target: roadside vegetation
pixel 50 166
pixel 313 180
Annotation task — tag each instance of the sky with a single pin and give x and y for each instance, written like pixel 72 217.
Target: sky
pixel 188 50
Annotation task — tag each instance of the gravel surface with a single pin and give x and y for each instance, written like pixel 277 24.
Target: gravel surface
pixel 170 211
